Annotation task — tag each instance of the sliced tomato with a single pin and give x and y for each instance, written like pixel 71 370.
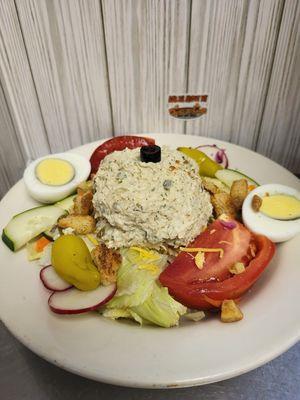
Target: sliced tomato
pixel 196 289
pixel 234 242
pixel 117 144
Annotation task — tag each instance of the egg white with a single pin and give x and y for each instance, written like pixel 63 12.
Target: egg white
pixel 275 230
pixel 50 194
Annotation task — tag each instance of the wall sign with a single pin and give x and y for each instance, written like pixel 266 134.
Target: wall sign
pixel 187 106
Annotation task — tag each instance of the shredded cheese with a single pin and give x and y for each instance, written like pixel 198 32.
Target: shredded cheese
pixel 212 231
pixel 203 249
pixel 224 241
pixel 200 259
pixel 150 267
pixel 145 253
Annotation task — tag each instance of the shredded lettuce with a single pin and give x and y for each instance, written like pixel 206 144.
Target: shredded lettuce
pixel 195 316
pixel 135 280
pixel 139 296
pixel 116 313
pixel 160 308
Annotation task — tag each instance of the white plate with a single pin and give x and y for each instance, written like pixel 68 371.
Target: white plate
pixel 126 354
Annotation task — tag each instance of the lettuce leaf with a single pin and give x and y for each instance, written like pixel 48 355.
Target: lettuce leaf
pixel 136 277
pixel 116 313
pixel 160 308
pixel 139 296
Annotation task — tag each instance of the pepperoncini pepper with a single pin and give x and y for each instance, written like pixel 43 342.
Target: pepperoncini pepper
pixel 72 261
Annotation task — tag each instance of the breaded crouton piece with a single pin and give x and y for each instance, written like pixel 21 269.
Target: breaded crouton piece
pixel 210 186
pixel 82 224
pixel 222 204
pixel 238 192
pixel 86 186
pixel 83 204
pixel 230 311
pixel 108 262
pixel 213 185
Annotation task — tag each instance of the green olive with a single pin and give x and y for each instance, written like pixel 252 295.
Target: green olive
pixel 72 261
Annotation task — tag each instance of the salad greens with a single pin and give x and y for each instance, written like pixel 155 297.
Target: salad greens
pixel 139 296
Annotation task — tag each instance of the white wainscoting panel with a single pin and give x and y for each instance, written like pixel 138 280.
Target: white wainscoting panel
pixel 147 52
pixel 18 85
pixel 64 41
pixel 231 53
pixel 12 159
pixel 280 130
pixel 73 71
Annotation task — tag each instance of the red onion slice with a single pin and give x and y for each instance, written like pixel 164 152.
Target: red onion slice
pixel 215 153
pixel 228 224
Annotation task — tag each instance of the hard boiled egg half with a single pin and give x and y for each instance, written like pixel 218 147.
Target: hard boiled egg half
pixel 56 176
pixel 278 213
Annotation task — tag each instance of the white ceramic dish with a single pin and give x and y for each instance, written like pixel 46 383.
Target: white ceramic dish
pixel 126 354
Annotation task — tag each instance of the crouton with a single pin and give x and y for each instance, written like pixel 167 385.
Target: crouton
pixel 86 186
pixel 210 186
pixel 213 185
pixel 222 204
pixel 83 204
pixel 82 224
pixel 256 203
pixel 230 311
pixel 108 262
pixel 238 192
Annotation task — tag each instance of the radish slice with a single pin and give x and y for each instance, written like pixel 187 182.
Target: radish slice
pixel 52 281
pixel 215 153
pixel 76 301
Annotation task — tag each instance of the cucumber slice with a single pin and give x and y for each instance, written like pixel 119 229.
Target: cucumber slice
pixel 67 203
pixel 29 224
pixel 228 176
pixel 48 234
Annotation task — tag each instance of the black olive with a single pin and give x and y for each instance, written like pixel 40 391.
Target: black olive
pixel 150 154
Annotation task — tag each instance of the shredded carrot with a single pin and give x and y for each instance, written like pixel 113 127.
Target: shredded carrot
pixel 204 249
pixel 41 244
pixel 251 187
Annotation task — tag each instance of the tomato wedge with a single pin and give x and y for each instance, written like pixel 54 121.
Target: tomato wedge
pixel 117 144
pixel 205 290
pixel 234 242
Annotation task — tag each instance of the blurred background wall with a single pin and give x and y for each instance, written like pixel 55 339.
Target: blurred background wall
pixel 74 71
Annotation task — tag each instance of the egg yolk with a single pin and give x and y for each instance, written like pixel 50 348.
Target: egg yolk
pixel 281 206
pixel 54 171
